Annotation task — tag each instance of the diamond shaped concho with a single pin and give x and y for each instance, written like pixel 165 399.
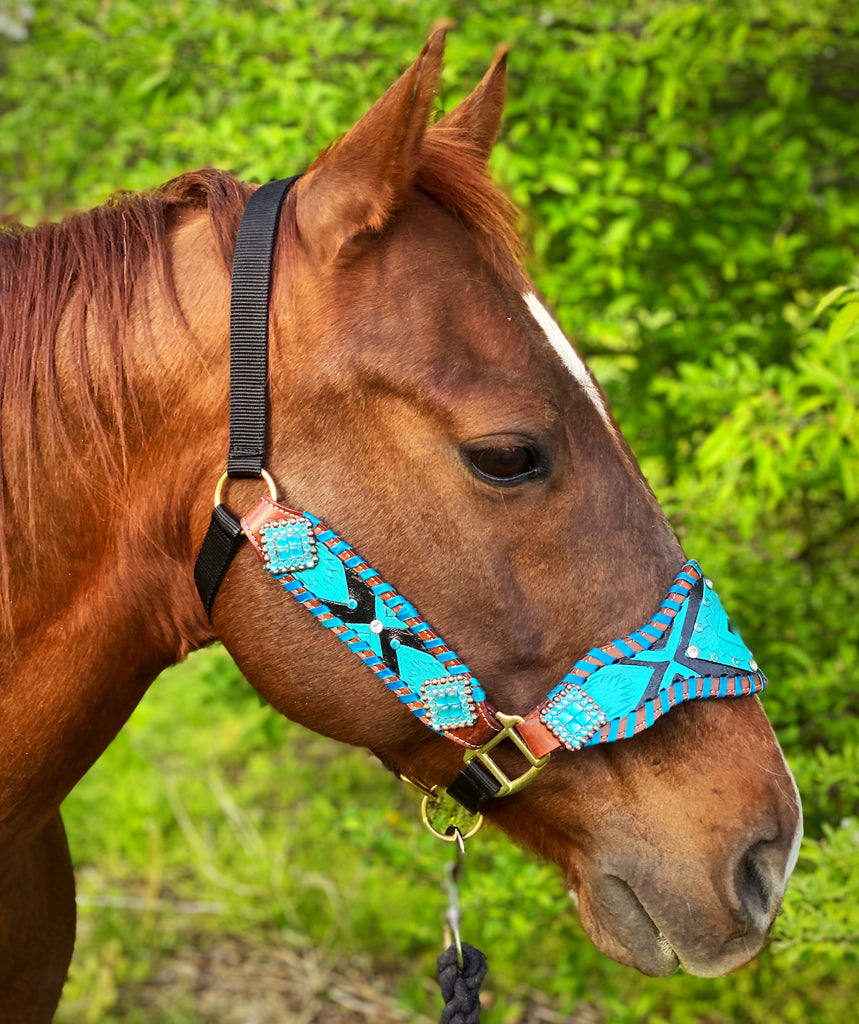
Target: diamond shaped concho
pixel 448 702
pixel 289 545
pixel 573 716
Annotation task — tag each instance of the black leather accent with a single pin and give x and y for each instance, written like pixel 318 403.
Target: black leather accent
pixel 220 544
pixel 474 785
pixel 365 612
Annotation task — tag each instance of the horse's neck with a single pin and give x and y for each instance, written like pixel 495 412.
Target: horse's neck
pixel 104 599
pixel 66 692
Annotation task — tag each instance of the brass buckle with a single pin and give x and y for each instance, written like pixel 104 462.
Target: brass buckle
pixel 509 785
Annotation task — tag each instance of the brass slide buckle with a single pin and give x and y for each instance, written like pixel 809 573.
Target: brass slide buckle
pixel 509 785
pixel 449 820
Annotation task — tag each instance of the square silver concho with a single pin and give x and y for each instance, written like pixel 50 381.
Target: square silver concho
pixel 449 702
pixel 289 545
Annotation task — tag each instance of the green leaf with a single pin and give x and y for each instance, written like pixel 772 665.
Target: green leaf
pixel 827 300
pixel 843 323
pixel 676 162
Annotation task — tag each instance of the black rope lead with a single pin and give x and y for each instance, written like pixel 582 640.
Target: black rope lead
pixel 461 989
pixel 461 968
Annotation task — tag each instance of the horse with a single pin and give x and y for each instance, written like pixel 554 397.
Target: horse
pixel 426 405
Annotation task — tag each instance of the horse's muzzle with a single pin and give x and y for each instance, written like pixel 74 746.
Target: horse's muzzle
pixel 657 916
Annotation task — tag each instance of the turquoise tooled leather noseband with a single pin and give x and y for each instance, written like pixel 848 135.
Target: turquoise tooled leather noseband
pixel 688 649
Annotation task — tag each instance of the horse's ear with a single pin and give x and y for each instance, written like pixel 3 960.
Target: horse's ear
pixel 476 121
pixel 354 185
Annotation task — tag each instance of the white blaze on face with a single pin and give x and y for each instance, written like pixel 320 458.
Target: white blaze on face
pixel 570 358
pixel 793 856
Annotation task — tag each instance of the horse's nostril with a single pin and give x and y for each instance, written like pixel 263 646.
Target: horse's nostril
pixel 750 881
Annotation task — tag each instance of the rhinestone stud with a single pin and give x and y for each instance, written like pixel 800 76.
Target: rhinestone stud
pixel 449 702
pixel 289 545
pixel 573 716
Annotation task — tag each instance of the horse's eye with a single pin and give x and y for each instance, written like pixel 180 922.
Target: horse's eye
pixel 506 464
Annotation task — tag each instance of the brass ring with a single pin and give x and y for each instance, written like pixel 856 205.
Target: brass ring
pixel 272 490
pixel 453 834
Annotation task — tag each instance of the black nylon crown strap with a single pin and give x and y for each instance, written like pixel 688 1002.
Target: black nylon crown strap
pixel 249 316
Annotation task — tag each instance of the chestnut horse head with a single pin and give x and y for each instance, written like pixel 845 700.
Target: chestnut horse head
pixel 427 407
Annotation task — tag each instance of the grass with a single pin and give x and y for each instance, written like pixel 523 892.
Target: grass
pixel 215 842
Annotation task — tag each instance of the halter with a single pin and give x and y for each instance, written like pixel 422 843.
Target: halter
pixel 688 649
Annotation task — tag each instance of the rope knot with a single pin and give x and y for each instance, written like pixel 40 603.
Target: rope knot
pixel 461 991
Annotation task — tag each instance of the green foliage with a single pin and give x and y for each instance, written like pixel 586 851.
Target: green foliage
pixel 688 172
pixel 771 456
pixel 829 880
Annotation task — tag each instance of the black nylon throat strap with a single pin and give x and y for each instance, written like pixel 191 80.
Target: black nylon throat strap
pixel 473 786
pixel 221 542
pixel 249 319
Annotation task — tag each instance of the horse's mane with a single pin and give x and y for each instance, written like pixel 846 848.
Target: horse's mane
pixel 80 274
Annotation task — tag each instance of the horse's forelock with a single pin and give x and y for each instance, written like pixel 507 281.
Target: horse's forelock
pixel 451 172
